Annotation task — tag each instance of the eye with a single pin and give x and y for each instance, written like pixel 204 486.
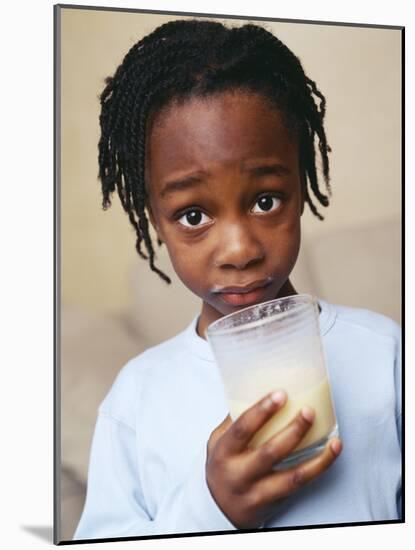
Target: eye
pixel 266 203
pixel 193 218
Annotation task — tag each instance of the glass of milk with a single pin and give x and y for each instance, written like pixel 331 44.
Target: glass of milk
pixel 277 345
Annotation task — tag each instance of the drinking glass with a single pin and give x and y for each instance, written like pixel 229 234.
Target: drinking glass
pixel 277 345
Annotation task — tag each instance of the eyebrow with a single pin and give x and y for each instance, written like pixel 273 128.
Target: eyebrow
pixel 266 169
pixel 187 182
pixel 198 178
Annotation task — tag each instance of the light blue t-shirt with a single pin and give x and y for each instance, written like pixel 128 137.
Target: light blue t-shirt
pixel 147 464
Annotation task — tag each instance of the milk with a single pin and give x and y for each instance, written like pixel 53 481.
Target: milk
pixel 316 396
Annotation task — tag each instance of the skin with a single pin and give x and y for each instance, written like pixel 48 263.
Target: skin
pixel 225 196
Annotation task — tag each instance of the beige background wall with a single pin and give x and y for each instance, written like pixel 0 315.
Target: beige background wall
pixel 113 306
pixel 358 69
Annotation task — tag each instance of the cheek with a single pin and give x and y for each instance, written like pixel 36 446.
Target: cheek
pixel 296 241
pixel 186 261
pixel 286 235
pixel 295 252
pixel 297 236
pixel 284 249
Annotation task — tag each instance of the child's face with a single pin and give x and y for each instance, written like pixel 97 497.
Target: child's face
pixel 225 197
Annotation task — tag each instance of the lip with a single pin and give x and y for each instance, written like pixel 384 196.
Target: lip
pixel 243 289
pixel 244 295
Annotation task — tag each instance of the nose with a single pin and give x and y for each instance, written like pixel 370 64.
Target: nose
pixel 238 247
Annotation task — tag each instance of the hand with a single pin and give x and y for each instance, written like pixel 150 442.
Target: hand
pixel 242 480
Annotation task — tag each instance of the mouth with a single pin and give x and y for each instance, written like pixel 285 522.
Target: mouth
pixel 243 295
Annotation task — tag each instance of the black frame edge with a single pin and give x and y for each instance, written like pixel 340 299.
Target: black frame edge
pixel 56 274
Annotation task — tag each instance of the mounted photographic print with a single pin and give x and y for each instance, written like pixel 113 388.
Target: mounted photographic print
pixel 228 199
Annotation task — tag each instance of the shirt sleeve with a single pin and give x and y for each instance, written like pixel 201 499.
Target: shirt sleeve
pixel 115 504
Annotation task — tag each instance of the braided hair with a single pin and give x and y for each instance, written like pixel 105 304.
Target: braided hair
pixel 186 58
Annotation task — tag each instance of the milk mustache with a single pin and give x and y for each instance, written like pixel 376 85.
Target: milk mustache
pixel 303 388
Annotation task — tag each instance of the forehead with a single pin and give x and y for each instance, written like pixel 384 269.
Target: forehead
pixel 226 129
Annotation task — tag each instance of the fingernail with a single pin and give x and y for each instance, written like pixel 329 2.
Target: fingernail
pixel 336 446
pixel 278 397
pixel 308 414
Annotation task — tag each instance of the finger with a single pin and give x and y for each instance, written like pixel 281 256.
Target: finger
pixel 239 434
pixel 218 432
pixel 282 483
pixel 266 456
